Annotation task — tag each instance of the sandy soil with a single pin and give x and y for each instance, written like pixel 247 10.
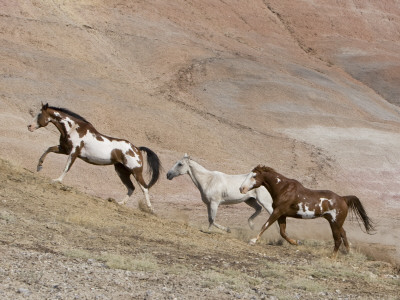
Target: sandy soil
pixel 59 243
pixel 307 88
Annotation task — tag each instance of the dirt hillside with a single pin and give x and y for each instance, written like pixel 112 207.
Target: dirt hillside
pixel 309 88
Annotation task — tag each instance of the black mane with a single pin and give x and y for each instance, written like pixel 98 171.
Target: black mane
pixel 68 112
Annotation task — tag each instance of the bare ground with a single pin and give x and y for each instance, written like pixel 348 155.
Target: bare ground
pixel 59 243
pixel 307 87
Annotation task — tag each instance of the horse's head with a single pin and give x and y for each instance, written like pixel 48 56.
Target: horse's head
pixel 253 180
pixel 41 119
pixel 181 167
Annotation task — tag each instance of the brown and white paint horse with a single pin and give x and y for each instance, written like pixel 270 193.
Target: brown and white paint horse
pixel 80 139
pixel 291 199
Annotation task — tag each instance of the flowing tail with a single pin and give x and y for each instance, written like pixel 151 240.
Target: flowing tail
pixel 154 165
pixel 355 205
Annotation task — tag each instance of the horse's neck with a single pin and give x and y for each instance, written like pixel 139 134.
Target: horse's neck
pixel 270 180
pixel 64 127
pixel 200 175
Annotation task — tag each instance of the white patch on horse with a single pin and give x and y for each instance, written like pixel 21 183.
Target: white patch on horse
pixel 99 152
pixel 305 212
pixel 278 180
pixel 333 214
pixel 133 161
pixel 67 121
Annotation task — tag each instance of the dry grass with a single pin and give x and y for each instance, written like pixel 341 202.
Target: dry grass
pixel 142 262
pixel 72 224
pixel 230 278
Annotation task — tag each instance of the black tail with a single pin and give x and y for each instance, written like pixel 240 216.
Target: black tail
pixel 154 165
pixel 355 205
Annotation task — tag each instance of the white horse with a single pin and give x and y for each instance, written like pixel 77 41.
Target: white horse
pixel 219 188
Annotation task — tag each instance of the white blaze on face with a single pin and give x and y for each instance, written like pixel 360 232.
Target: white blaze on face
pixel 34 125
pixel 248 183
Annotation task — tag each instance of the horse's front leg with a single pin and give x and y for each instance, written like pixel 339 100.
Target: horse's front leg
pixel 212 209
pixel 282 227
pixel 54 149
pixel 70 161
pixel 272 218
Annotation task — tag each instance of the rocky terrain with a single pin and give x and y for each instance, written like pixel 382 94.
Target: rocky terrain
pixel 307 87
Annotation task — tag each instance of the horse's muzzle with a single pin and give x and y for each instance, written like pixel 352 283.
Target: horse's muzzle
pixel 31 128
pixel 169 176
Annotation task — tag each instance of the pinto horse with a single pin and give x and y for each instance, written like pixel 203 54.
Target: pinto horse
pixel 219 188
pixel 291 199
pixel 80 139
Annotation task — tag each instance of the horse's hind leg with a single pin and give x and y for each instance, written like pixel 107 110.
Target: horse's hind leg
pixel 337 237
pixel 282 227
pixel 124 175
pixel 344 238
pixel 54 149
pixel 252 202
pixel 137 173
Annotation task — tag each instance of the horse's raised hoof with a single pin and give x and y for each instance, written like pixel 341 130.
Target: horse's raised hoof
pixel 39 168
pixel 253 241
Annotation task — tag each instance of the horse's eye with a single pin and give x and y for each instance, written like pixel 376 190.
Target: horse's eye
pixel 180 164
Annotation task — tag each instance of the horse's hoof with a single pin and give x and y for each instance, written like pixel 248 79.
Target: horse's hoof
pixel 121 202
pixel 56 180
pixel 38 168
pixel 228 230
pixel 253 241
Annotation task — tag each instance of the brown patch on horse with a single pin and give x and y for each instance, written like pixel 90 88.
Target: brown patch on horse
pixel 132 153
pixel 117 156
pixel 82 130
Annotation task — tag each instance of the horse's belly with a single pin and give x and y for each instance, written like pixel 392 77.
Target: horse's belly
pixel 96 156
pixel 305 212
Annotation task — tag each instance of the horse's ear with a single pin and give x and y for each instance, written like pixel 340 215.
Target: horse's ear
pixel 186 156
pixel 45 106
